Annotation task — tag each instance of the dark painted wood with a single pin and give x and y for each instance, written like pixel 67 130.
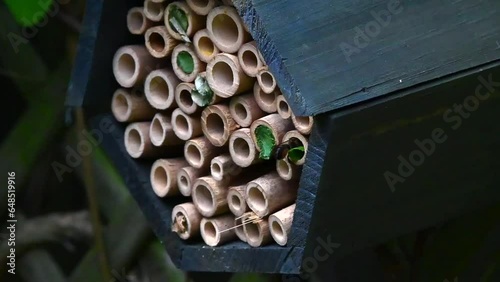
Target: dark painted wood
pixel 423 40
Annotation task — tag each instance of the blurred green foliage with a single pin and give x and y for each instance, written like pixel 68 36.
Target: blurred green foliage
pixel 28 12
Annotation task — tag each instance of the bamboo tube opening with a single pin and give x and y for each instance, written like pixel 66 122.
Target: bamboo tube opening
pixel 201 7
pixel 134 142
pixel 225 76
pixel 210 233
pixel 131 65
pixel 204 46
pixel 285 169
pixel 216 171
pixel 249 59
pixel 161 131
pixel 266 81
pixel 270 193
pixel 236 201
pixel 278 232
pixel 226 29
pixel 157 42
pixel 160 180
pixel 127 67
pixel 186 176
pixel 137 22
pixel 257 234
pixel 186 221
pixel 183 182
pixel 283 108
pixel 280 224
pixel 120 106
pixel 303 124
pixel 256 198
pixel 218 230
pixel 217 124
pixel 153 10
pixel 164 176
pixel 277 126
pixel 159 88
pixel 244 109
pixel 184 99
pixel 203 198
pixel 186 72
pixel 300 140
pixel 185 126
pixel 266 101
pixel 242 148
pixel 194 155
pixel 239 230
pixel 129 107
pixel 240 111
pixel 157 132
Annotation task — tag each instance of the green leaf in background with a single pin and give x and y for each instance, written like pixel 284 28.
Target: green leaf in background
pixel 202 94
pixel 265 141
pixel 29 12
pixel 185 62
pixel 295 154
pixel 179 15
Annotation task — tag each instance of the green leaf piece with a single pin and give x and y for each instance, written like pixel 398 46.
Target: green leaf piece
pixel 295 154
pixel 185 62
pixel 202 94
pixel 180 16
pixel 29 12
pixel 265 141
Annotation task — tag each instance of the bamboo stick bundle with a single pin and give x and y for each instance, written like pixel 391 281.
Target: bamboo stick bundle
pixel 201 7
pixel 183 98
pixel 154 10
pixel 249 59
pixel 185 63
pixel 245 110
pixel 257 234
pixel 242 148
pixel 210 196
pixel 204 46
pixel 267 133
pixel 236 200
pixel 266 80
pixel 159 89
pixel 159 43
pixel 218 124
pixel 199 152
pixel 161 132
pixel 186 177
pixel 225 76
pixel 181 22
pixel 303 124
pixel 138 143
pixel 217 231
pixel 287 170
pixel 186 221
pixel 223 166
pixel 280 224
pixel 130 107
pixel 137 22
pixel 283 108
pixel 132 63
pixel 226 29
pixel 267 102
pixel 270 193
pixel 186 126
pixel 164 176
pixel 300 141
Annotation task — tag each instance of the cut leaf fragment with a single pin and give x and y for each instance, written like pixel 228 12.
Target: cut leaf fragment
pixel 185 61
pixel 202 94
pixel 179 16
pixel 265 141
pixel 296 153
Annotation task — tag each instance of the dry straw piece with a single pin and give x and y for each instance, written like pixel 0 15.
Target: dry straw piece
pixel 204 46
pixel 218 124
pixel 159 88
pixel 269 193
pixel 164 176
pixel 132 63
pixel 186 126
pixel 137 22
pixel 249 59
pixel 138 143
pixel 257 234
pixel 159 43
pixel 226 29
pixel 225 76
pixel 303 124
pixel 267 102
pixel 212 230
pixel 154 10
pixel 161 132
pixel 280 224
pixel 242 148
pixel 283 108
pixel 210 196
pixel 199 152
pixel 202 7
pixel 184 99
pixel 194 22
pixel 130 107
pixel 244 109
pixel 186 221
pixel 186 177
pixel 301 140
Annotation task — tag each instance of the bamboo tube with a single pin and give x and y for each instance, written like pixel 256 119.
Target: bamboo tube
pixel 137 142
pixel 195 22
pixel 186 177
pixel 158 42
pixel 201 7
pixel 210 196
pixel 239 229
pixel 226 29
pixel 257 234
pixel 302 142
pixel 186 51
pixel 242 148
pixel 183 98
pixel 164 176
pixel 283 108
pixel 286 170
pixel 249 59
pixel 236 200
pixel 204 46
pixel 280 224
pixel 269 193
pixel 161 132
pixel 199 152
pixel 267 102
pixel 128 107
pixel 266 80
pixel 186 126
pixel 303 124
pixel 131 65
pixel 186 221
pixel 244 109
pixel 222 167
pixel 214 231
pixel 217 124
pixel 159 88
pixel 274 122
pixel 153 10
pixel 137 22
pixel 225 76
